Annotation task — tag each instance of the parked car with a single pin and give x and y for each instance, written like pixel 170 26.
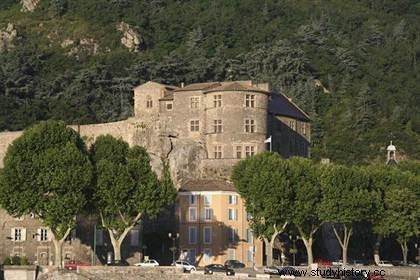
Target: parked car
pixel 385 263
pixel 272 270
pixel 186 266
pixel 209 269
pixel 148 263
pixel 323 263
pixel 72 265
pixel 234 264
pixel 372 276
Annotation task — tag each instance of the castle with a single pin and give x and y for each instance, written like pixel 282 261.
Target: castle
pixel 202 130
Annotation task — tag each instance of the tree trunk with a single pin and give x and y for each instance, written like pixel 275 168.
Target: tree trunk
pixel 268 252
pixel 58 255
pixel 376 251
pixel 116 245
pixel 344 242
pixel 308 246
pixel 404 250
pixel 58 246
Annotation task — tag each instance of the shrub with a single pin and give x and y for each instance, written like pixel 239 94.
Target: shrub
pixel 24 261
pixel 7 261
pixel 15 260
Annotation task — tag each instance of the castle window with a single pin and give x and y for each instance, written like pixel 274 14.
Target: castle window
pixel 217 151
pixel 193 199
pixel 233 199
pixel 192 235
pixel 192 214
pixel 249 126
pixel 292 125
pixel 217 126
pixel 149 102
pixel 250 100
pixel 232 214
pixel 195 102
pixel 233 233
pixel 194 125
pixel 207 199
pixel 208 214
pixel 249 151
pixel 18 234
pixel 238 151
pixel 217 100
pixel 207 235
pixel 169 106
pixel 42 234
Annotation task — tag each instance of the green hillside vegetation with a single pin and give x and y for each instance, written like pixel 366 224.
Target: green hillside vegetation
pixel 364 53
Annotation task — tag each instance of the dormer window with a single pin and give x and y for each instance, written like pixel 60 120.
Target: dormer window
pixel 149 102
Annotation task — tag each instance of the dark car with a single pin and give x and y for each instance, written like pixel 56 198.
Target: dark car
pixel 234 264
pixel 209 269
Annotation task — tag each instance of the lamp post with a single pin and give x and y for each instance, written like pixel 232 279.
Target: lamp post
pixel 294 249
pixel 174 237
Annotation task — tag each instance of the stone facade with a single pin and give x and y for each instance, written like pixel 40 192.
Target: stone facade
pixel 201 129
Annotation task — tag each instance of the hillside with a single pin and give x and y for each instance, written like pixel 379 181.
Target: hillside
pixel 352 65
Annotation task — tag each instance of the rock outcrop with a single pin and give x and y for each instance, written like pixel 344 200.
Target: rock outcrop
pixel 131 38
pixel 7 37
pixel 85 46
pixel 29 5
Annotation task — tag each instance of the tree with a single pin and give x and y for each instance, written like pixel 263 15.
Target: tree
pixel 262 181
pixel 307 196
pixel 127 190
pixel 401 215
pixel 47 172
pixel 347 199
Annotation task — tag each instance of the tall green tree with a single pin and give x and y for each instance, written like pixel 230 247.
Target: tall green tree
pixel 127 190
pixel 262 181
pixel 304 179
pixel 47 172
pixel 347 198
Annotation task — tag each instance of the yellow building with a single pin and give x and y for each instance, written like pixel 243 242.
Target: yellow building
pixel 213 225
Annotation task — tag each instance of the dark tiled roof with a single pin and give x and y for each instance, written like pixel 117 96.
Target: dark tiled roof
pixel 235 86
pixel 199 86
pixel 280 105
pixel 206 185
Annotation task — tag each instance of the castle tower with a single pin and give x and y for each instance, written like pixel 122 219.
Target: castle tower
pixel 391 154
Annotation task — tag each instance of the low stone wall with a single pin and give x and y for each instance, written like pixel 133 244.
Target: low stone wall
pixel 19 272
pixel 169 273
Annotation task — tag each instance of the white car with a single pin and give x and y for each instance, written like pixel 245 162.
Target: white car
pixel 186 266
pixel 148 263
pixel 385 263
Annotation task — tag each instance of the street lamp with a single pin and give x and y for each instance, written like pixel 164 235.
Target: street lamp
pixel 174 237
pixel 294 249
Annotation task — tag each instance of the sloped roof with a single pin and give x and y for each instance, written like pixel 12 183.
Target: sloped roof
pixel 199 86
pixel 206 185
pixel 280 105
pixel 155 84
pixel 235 86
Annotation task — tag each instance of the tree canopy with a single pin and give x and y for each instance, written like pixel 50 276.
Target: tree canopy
pixel 352 65
pixel 126 190
pixel 47 173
